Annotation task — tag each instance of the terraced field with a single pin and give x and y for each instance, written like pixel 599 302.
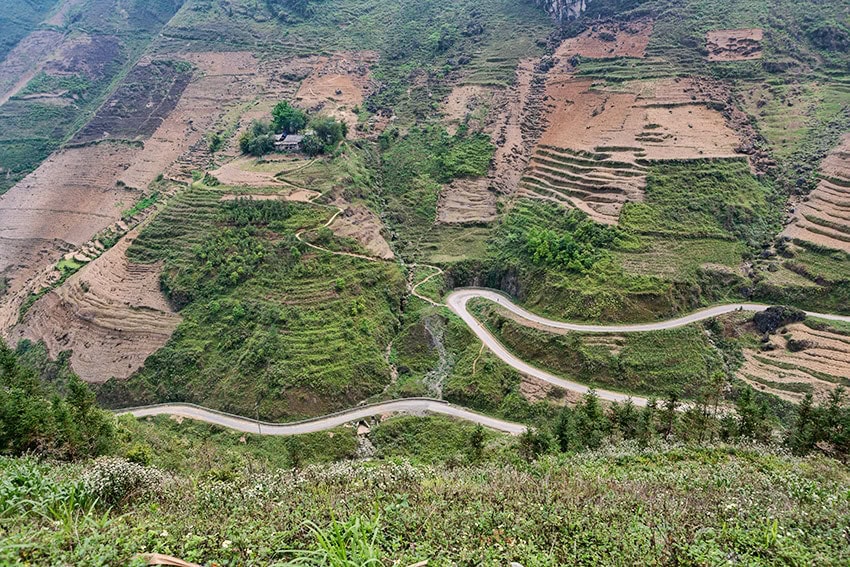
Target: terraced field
pixel 269 325
pixel 806 358
pixel 823 217
pixel 594 182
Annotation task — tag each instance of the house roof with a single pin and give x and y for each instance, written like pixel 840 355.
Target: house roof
pixel 293 139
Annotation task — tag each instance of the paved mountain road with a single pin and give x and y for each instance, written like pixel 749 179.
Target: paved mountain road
pixel 457 301
pixel 415 406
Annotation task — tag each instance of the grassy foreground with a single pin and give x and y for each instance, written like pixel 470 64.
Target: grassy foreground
pixel 620 505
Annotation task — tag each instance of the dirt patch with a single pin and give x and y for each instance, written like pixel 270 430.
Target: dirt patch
pixel 820 367
pixel 58 17
pixel 610 39
pixel 111 314
pixel 823 216
pixel 26 60
pixel 467 201
pixel 734 45
pixel 337 85
pixel 365 227
pixel 468 104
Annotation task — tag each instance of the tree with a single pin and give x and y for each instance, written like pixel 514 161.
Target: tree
pixel 288 119
pixel 669 415
pixel 329 131
pixel 591 424
pixel 534 443
pixel 753 421
pixel 476 443
pixel 35 418
pixel 803 434
pixel 312 145
pixel 626 419
pixel 565 435
pixel 646 422
pixel 258 140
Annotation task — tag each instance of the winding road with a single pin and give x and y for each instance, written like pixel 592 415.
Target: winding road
pixel 457 301
pixel 414 406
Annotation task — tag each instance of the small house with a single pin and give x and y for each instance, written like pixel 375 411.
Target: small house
pixel 288 143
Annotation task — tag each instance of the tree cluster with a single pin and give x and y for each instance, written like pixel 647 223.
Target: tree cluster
pixel 824 427
pixel 323 132
pixel 35 418
pixel 588 425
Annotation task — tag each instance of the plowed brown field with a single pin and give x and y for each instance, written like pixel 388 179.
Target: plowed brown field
pixel 819 368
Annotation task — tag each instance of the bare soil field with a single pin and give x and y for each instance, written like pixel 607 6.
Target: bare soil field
pixel 87 55
pixel 60 205
pixel 588 156
pixel 823 216
pixel 467 201
pixel 66 201
pixel 822 365
pixel 601 41
pixel 135 111
pixel 517 127
pixel 364 226
pixel 26 60
pixel 111 314
pixel 248 172
pixel 224 81
pixel 734 45
pixel 337 85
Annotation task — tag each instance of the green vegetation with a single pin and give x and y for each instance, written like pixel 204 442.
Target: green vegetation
pixel 719 198
pixel 70 85
pixel 270 327
pixel 56 419
pixel 288 119
pixel 681 361
pixel 142 204
pixel 324 135
pixel 604 507
pixel 413 169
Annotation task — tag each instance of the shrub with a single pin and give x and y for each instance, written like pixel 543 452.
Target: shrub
pixel 116 481
pixel 140 453
pixel 258 140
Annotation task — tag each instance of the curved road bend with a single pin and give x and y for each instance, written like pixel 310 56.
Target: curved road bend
pixel 457 302
pixel 414 406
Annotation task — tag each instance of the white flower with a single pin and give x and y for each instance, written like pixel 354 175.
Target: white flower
pixel 163 534
pixel 226 543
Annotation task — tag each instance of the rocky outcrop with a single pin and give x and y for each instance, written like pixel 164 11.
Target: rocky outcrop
pixel 563 10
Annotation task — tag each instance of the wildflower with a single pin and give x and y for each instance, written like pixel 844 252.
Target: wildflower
pixel 226 544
